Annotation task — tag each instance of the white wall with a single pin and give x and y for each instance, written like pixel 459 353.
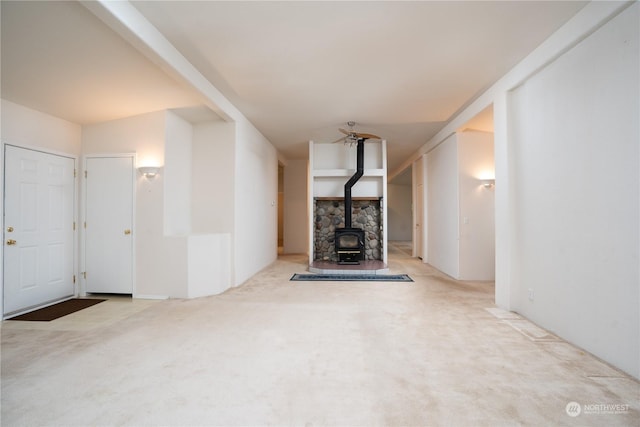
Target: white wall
pixel 161 261
pixel 256 196
pixel 296 220
pixel 575 144
pixel 213 177
pixel 213 184
pixel 344 156
pixel 209 264
pixel 476 221
pixel 399 212
pixel 196 186
pixel 443 208
pixel 177 175
pixel 30 128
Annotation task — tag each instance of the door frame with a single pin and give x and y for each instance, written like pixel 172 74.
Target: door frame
pixel 74 210
pixel 83 212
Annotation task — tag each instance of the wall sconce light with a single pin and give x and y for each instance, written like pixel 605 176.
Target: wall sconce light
pixel 148 172
pixel 488 183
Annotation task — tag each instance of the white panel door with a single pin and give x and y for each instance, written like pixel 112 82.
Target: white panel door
pixel 109 224
pixel 38 234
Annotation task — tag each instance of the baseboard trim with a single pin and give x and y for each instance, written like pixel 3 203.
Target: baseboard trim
pixel 151 296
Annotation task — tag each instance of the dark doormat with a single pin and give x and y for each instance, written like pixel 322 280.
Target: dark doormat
pixel 351 278
pixel 56 311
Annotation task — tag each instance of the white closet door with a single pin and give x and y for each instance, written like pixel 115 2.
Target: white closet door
pixel 109 225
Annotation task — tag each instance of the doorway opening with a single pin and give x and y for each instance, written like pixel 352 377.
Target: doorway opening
pixel 280 209
pixel 400 214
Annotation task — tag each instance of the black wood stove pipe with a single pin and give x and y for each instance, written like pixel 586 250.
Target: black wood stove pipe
pixel 347 187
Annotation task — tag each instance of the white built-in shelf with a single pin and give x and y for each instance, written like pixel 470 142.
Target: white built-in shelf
pixel 320 173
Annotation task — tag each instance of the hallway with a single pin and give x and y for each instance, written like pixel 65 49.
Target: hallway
pixel 275 352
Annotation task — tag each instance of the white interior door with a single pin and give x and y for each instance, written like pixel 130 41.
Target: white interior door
pixel 38 234
pixel 109 224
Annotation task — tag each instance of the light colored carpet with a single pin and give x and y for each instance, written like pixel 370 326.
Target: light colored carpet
pixel 275 352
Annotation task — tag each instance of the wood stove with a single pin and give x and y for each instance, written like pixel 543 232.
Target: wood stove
pixel 349 245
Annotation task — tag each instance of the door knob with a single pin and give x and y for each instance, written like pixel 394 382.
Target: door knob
pixel 127 231
pixel 11 242
pixel 9 229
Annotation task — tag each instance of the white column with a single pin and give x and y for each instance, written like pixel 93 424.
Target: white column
pixel 503 210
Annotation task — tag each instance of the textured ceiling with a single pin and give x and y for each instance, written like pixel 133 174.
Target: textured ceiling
pixel 297 70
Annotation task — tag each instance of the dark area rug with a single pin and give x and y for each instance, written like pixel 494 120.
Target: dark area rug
pixel 351 278
pixel 56 311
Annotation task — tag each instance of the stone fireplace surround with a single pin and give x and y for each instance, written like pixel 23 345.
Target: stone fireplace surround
pixel 329 214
